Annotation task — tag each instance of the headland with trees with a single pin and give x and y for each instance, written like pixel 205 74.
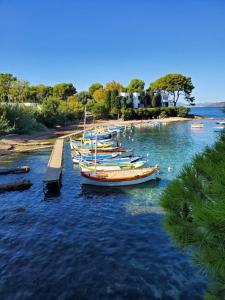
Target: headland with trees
pixel 25 108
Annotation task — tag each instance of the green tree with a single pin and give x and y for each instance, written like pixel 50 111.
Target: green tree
pixel 19 91
pixel 63 90
pixel 38 93
pixel 115 103
pixel 94 87
pixel 99 95
pixel 98 109
pixel 84 97
pixel 156 100
pixel 6 81
pixel 4 121
pixel 108 100
pixel 175 85
pixel 136 85
pixel 50 113
pixel 195 212
pixel 75 105
pixel 148 97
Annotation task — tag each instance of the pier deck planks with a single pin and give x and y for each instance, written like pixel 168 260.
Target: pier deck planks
pixel 54 169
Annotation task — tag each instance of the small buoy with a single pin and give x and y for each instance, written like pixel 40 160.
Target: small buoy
pixel 132 140
pixel 147 154
pixel 170 169
pixel 156 166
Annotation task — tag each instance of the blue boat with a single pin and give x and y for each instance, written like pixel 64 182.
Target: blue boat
pixel 77 157
pixel 99 136
pixel 119 159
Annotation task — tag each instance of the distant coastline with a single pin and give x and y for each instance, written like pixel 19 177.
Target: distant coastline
pixel 210 104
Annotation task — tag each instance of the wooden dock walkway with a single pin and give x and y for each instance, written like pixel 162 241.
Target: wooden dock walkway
pixel 53 173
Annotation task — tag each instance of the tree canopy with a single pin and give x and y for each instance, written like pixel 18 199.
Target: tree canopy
pixel 63 90
pixel 94 87
pixel 40 92
pixel 19 91
pixel 195 212
pixel 175 85
pixel 6 80
pixel 100 95
pixel 83 97
pixel 136 85
pixel 113 85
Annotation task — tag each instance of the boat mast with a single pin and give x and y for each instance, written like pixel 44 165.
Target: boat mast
pixel 95 151
pixel 85 117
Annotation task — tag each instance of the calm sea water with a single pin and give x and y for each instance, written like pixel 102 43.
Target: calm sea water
pixel 90 243
pixel 209 112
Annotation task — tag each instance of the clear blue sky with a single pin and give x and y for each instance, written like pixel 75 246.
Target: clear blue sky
pixel 84 41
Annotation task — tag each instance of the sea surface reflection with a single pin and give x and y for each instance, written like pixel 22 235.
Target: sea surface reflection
pixel 99 243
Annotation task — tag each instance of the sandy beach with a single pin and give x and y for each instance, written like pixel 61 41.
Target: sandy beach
pixel 15 143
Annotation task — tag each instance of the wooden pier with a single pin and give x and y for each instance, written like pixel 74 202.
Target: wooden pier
pixel 53 173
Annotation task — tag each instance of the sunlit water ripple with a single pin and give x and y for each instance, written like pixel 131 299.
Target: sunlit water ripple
pixel 90 243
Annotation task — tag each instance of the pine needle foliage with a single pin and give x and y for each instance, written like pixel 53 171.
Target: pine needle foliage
pixel 195 213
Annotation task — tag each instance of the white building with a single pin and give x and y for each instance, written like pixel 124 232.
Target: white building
pixel 136 98
pixel 166 101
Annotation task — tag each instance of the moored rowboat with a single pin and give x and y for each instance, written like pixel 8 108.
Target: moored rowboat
pixel 197 125
pixel 113 167
pixel 119 178
pixel 77 158
pixel 218 128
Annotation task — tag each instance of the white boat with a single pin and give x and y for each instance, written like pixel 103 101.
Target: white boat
pixel 197 125
pixel 221 122
pixel 218 128
pixel 91 143
pixel 119 178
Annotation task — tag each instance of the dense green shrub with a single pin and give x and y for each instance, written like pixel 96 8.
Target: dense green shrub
pixel 23 119
pixel 153 113
pixel 169 111
pixel 99 110
pixel 183 111
pixel 127 114
pixel 50 114
pixel 4 121
pixel 18 119
pixel 55 112
pixel 195 212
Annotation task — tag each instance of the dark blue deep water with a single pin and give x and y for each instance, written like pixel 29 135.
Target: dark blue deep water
pixel 98 243
pixel 209 112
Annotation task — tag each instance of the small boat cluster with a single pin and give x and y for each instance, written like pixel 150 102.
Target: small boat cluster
pixel 104 162
pixel 149 124
pixel 219 128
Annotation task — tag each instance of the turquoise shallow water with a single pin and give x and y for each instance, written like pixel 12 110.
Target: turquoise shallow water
pixel 90 243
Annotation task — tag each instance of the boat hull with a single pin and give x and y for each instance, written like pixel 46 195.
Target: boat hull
pixel 113 167
pixel 77 158
pixel 119 178
pixel 218 129
pixel 88 181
